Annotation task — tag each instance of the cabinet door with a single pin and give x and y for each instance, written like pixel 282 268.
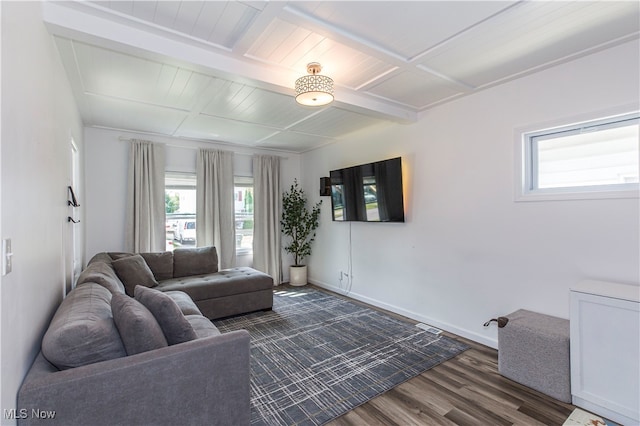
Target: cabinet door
pixel 605 354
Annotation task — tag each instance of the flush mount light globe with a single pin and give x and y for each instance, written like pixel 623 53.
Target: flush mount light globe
pixel 314 89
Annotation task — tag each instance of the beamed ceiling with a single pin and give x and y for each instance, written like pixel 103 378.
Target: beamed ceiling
pixel 224 71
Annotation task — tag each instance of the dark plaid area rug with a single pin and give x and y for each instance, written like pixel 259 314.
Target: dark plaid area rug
pixel 316 356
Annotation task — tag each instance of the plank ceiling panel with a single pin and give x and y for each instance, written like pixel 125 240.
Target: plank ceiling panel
pixel 361 71
pixel 114 74
pixel 333 123
pixel 68 56
pixel 187 16
pixel 166 12
pixel 233 23
pixel 185 89
pixel 212 128
pixel 209 16
pixel 145 10
pixel 415 88
pixel 118 114
pixel 406 28
pixel 298 43
pixel 291 56
pixel 101 3
pixel 278 33
pixel 527 36
pixel 292 46
pixel 108 73
pixel 227 98
pixel 125 7
pixel 257 106
pixel 293 141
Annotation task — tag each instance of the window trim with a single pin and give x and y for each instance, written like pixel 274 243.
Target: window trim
pixel 524 158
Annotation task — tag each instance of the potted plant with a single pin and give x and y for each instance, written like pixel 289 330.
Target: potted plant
pixel 299 224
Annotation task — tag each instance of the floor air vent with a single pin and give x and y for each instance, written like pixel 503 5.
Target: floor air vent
pixel 428 328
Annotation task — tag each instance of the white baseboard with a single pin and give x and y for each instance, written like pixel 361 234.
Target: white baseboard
pixel 412 315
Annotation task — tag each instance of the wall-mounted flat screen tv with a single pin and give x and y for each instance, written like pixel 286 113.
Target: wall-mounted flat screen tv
pixel 368 193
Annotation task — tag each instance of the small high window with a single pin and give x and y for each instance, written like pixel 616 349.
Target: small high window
pixel 591 159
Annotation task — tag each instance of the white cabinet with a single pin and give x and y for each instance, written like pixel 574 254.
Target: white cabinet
pixel 605 350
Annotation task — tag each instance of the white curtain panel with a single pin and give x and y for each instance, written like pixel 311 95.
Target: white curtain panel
pixel 215 223
pixel 145 230
pixel 267 207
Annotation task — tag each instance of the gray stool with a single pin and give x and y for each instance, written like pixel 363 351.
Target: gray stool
pixel 533 349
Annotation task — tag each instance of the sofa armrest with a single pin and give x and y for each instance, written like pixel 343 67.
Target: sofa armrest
pixel 204 381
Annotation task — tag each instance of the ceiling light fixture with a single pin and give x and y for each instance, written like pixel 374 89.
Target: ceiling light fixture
pixel 314 89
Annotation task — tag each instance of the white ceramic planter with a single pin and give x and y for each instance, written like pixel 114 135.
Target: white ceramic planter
pixel 298 275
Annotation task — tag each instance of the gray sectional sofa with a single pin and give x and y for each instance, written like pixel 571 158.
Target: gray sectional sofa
pixel 121 350
pixel 217 293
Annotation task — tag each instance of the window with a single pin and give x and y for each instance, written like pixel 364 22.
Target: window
pixel 591 159
pixel 243 190
pixel 180 209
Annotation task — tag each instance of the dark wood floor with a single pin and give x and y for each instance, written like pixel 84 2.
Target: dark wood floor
pixel 466 390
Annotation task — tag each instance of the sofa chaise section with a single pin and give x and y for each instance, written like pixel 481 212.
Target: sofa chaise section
pixel 226 292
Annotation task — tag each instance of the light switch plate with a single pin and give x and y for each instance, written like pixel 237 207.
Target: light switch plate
pixel 6 256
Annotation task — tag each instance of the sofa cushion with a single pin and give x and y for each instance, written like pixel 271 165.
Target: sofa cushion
pixel 185 303
pixel 82 330
pixel 133 271
pixel 139 330
pixel 194 261
pixel 174 325
pixel 203 327
pixel 227 282
pixel 103 274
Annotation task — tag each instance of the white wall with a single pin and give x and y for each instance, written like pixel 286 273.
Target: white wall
pixel 468 252
pixel 106 178
pixel 39 118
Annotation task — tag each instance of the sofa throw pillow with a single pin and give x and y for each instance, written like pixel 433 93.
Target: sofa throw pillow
pixel 133 271
pixel 139 330
pixel 173 323
pixel 194 261
pixel 161 264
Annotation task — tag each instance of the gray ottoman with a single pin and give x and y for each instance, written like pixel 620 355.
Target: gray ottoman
pixel 533 349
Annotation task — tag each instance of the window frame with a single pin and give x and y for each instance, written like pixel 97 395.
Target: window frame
pixel 525 156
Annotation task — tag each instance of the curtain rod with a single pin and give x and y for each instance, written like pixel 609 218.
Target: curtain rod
pixel 124 139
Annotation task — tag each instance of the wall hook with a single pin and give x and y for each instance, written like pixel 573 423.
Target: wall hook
pixel 70 219
pixel 73 202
